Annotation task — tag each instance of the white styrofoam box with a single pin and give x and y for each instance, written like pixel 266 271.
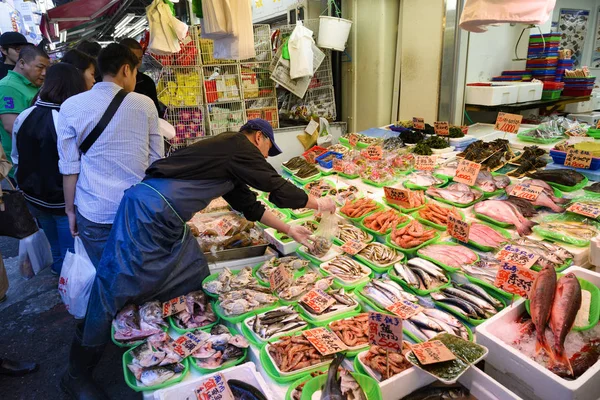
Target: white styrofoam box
pixel 581 107
pixel 185 389
pixel 283 248
pixel 526 377
pixel 482 387
pixel 241 263
pixel 491 95
pixel 590 118
pixel 528 91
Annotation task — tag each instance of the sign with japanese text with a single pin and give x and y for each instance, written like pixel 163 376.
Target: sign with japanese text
pixel 404 309
pixel 396 195
pixel 317 300
pixel 516 256
pixel 186 344
pixel 353 139
pixel 508 122
pixel 316 191
pixel 311 127
pixel 577 131
pixel 326 342
pixel 527 192
pixel 514 279
pixel 459 229
pixel 224 226
pixel 418 123
pixel 442 128
pixel 467 172
pixel 587 210
pixel 578 159
pixel 374 152
pixel 353 247
pixel 173 306
pixel 385 331
pixel 214 388
pixel 432 352
pixel 425 163
pixel 281 277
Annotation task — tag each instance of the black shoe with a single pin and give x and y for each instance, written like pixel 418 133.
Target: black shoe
pixel 16 368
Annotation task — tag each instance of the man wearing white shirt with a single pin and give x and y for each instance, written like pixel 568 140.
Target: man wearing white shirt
pixel 94 180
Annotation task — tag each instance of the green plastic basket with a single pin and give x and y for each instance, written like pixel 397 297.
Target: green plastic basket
pixel 439 227
pixel 300 215
pixel 551 94
pixel 345 141
pixel 393 276
pixel 594 133
pixel 297 274
pixel 239 318
pixel 411 251
pixel 412 186
pixel 289 171
pixel 471 321
pixel 304 181
pixel 225 365
pixel 294 385
pixel 481 247
pixel 132 382
pixel 405 210
pixel 358 219
pixel 369 386
pixel 492 220
pixel 378 268
pixel 132 344
pixel 487 195
pixel 561 268
pixel 458 204
pixel 564 188
pixel 271 371
pixel 524 138
pixel 340 283
pixel 444 266
pixel 259 342
pixel 361 224
pixel 559 237
pixel 343 175
pixel 324 323
pixel 589 193
pixel 378 184
pixel 181 331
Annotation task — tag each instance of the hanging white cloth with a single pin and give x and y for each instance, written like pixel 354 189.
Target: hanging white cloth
pixel 166 31
pixel 240 44
pixel 478 14
pixel 217 21
pixel 301 53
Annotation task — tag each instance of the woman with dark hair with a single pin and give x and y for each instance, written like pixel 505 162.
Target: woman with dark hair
pixel 84 63
pixel 35 157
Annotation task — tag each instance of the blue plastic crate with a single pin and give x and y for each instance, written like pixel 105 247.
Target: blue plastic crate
pixel 328 164
pixel 559 157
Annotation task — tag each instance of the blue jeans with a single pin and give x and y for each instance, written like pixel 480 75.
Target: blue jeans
pixel 56 228
pixel 93 236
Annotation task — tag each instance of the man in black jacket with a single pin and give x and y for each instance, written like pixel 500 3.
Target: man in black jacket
pixel 145 85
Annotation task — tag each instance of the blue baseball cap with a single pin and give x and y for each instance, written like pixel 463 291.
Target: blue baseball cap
pixel 266 128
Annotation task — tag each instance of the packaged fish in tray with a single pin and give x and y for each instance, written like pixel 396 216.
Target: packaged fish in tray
pixel 271 325
pixel 373 363
pixel 379 257
pixel 448 255
pixel 347 272
pixel 420 276
pixel 345 306
pixel 349 232
pixel 353 331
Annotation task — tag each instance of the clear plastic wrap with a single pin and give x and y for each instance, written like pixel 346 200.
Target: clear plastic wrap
pixel 324 235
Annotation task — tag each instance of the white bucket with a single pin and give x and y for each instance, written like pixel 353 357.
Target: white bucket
pixel 333 32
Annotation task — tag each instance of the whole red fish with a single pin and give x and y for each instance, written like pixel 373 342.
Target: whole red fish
pixel 541 296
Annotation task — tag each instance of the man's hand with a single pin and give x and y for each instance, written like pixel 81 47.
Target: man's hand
pixel 72 223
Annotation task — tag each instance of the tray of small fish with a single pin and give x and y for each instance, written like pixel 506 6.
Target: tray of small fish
pixel 222 348
pixel 345 306
pixel 374 362
pixel 549 253
pixel 448 255
pixel 293 264
pixel 293 290
pixel 353 331
pixel 420 276
pixel 271 325
pixel 456 194
pixel 483 273
pixel 381 293
pixel 571 229
pixel 487 237
pixel 133 324
pixel 332 253
pixel 379 257
pixel 433 321
pixel 349 232
pixel 198 313
pixel 153 364
pixel 359 208
pixel 347 273
pixel 421 180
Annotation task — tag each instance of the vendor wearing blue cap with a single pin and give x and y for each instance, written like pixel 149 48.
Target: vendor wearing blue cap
pixel 151 254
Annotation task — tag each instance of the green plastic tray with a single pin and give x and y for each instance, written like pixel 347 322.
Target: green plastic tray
pixel 286 169
pixel 132 382
pixel 339 283
pixel 561 268
pixel 239 318
pixel 393 276
pixel 182 331
pixel 351 353
pixel 128 345
pixel 258 342
pixel 564 188
pixel 377 184
pixel 424 221
pixel 471 321
pixel 308 257
pixel 559 237
pixel 211 278
pixel 329 182
pixel 369 386
pixel 267 364
pixel 411 251
pixel 380 269
pixel 492 221
pixel 487 195
pixel 418 187
pixel 405 210
pixel 444 266
pixel 481 247
pixel 297 274
pixel 302 215
pixel 345 141
pixel 325 322
pixel 376 233
pixel 593 132
pixel 457 204
pixel 591 194
pixel 294 385
pixel 225 365
pixel 343 175
pixel 307 180
pixel 489 286
pixel 521 136
pixel 358 219
pixel 594 304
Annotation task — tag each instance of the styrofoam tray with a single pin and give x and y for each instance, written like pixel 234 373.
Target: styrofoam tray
pixel 248 324
pixel 283 248
pixel 411 374
pixel 366 272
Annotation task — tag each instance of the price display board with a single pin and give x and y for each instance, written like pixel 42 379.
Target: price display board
pixel 353 139
pixel 442 128
pixel 326 342
pixel 578 159
pixel 425 163
pixel 517 256
pixel 404 309
pixel 396 195
pixel 281 277
pixel 587 210
pixel 173 306
pixel 576 131
pixel 459 229
pixel 514 279
pixel 418 123
pixel 385 331
pixel 317 300
pixel 353 247
pixel 527 192
pixel 186 344
pixel 508 122
pixel 432 352
pixel 374 152
pixel 214 388
pixel 467 172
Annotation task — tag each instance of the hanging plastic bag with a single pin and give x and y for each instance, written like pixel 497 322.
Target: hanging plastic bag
pixel 76 279
pixel 34 254
pixel 325 139
pixel 165 30
pixel 323 237
pixel 240 44
pixel 301 54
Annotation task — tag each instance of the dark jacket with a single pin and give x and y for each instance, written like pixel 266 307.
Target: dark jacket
pixel 4 68
pixel 146 86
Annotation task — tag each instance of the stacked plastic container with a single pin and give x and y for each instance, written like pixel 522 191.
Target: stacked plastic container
pixel 578 86
pixel 513 76
pixel 561 67
pixel 552 90
pixel 542 57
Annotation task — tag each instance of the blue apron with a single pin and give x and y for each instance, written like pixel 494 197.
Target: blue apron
pixel 150 253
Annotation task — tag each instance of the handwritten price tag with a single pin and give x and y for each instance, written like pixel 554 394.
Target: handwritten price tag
pixel 441 128
pixel 280 278
pixel 186 344
pixel 419 123
pixel 173 306
pixel 432 352
pixel 425 163
pixel 508 122
pixel 374 152
pixel 385 331
pixel 527 192
pixel 467 172
pixel 404 309
pixel 353 247
pixel 396 196
pixel 516 256
pixel 587 210
pixel 578 159
pixel 317 300
pixel 514 279
pixel 353 139
pixel 224 226
pixel 326 342
pixel 577 131
pixel 459 229
pixel 316 191
pixel 214 388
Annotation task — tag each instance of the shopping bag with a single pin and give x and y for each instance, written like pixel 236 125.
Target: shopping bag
pixel 15 219
pixel 217 21
pixel 301 53
pixel 35 254
pixel 76 280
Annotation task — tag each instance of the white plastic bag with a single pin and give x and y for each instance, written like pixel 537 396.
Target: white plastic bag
pixel 76 279
pixel 325 139
pixel 301 53
pixel 165 30
pixel 35 254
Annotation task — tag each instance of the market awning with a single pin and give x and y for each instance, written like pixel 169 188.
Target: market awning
pixel 78 12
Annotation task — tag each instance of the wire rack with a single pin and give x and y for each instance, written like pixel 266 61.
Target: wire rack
pixel 316 103
pixel 265 108
pixel 222 83
pixel 226 117
pixel 189 55
pixel 256 80
pixel 206 52
pixel 180 87
pixel 262 43
pixel 188 123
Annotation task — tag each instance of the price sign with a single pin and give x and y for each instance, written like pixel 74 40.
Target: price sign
pixel 316 191
pixel 467 172
pixel 385 331
pixel 353 139
pixel 516 256
pixel 404 309
pixel 578 159
pixel 214 388
pixel 586 210
pixel 419 123
pixel 508 122
pixel 432 352
pixel 326 342
pixel 224 226
pixel 527 192
pixel 514 279
pixel 459 229
pixel 317 300
pixel 441 128
pixel 186 344
pixel 425 163
pixel 577 131
pixel 396 196
pixel 374 152
pixel 173 306
pixel 311 127
pixel 280 278
pixel 353 247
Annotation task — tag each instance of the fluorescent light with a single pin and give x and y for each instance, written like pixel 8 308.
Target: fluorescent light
pixel 123 31
pixel 124 21
pixel 136 32
pixel 63 36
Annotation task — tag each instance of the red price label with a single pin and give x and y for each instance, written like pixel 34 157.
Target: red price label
pixel 514 279
pixel 467 172
pixel 353 247
pixel 385 331
pixel 396 196
pixel 441 128
pixel 186 344
pixel 419 123
pixel 173 306
pixel 527 192
pixel 317 300
pixel 578 159
pixel 587 210
pixel 280 278
pixel 214 388
pixel 224 226
pixel 516 256
pixel 508 122
pixel 404 309
pixel 374 152
pixel 459 229
pixel 353 139
pixel 425 163
pixel 432 352
pixel 326 342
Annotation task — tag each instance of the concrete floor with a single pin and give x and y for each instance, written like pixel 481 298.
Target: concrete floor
pixel 36 327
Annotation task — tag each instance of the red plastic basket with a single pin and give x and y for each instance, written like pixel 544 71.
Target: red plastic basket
pixel 577 92
pixel 311 154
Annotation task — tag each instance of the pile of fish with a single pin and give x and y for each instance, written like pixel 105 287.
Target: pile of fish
pixel 218 347
pixel 393 143
pixel 506 212
pixel 344 388
pixel 292 353
pixel 385 292
pixel 437 214
pixel 276 322
pixel 198 312
pixel 359 207
pixel 530 160
pixel 421 274
pixel 346 269
pixel 301 168
pixel 546 198
pixel 385 363
pixel 380 254
pixel 458 193
pixel 549 254
pixel 490 183
pixel 354 331
pixel 424 179
pixel 431 322
pixel 412 235
pixel 565 177
pixel 383 221
pixel 349 232
pixel 241 232
pixel 342 302
pixel 452 256
pixel 291 263
pixel 485 269
pixel 469 300
pixel 132 323
pixel 491 155
pixel 154 362
pixel 302 285
pixel 485 236
pixel 580 230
